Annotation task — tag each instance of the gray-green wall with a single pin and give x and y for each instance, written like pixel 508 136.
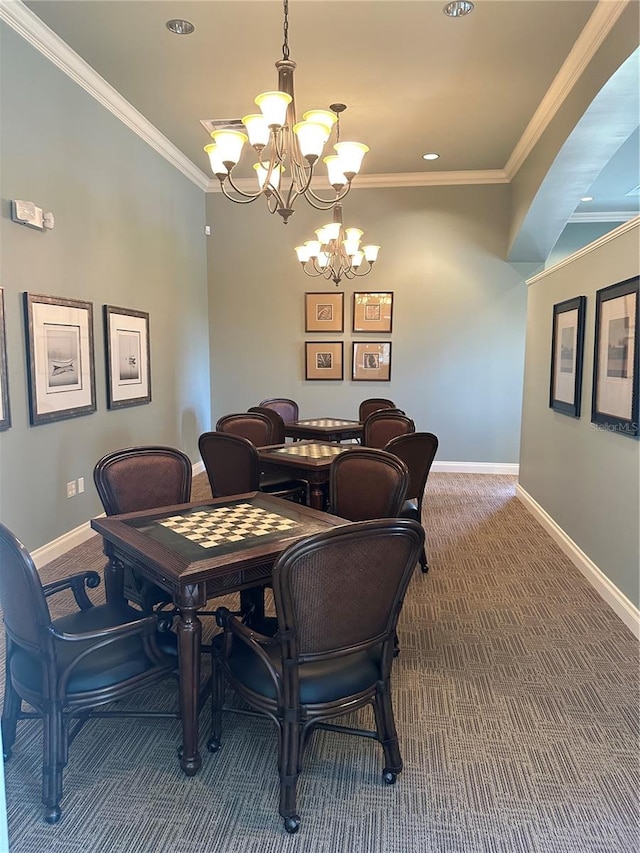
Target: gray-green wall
pixel 458 322
pixel 129 231
pixel 586 478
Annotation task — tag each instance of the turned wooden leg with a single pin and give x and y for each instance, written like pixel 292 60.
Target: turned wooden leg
pixel 189 641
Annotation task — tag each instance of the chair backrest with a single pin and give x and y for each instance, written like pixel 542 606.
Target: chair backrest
pixel 277 435
pixel 381 426
pixel 417 450
pixel 366 484
pixel 255 427
pixel 373 404
pixel 138 478
pixel 317 580
pixel 26 614
pixel 287 409
pixel 231 462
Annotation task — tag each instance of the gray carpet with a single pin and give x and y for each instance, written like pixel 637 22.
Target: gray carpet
pixel 516 697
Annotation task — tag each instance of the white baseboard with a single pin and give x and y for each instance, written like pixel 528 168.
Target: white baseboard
pixel 624 608
pixel 477 467
pixel 71 539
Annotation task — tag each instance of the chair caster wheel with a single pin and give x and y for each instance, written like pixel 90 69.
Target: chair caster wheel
pixel 6 755
pixel 213 744
pixel 425 569
pixel 52 814
pixel 292 824
pixel 389 777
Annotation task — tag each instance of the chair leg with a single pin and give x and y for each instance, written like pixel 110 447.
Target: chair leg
pixel 387 734
pixel 10 710
pixel 217 701
pixel 53 760
pixel 289 748
pixel 424 565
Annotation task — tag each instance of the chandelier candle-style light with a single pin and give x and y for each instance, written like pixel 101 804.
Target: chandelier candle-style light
pixel 336 252
pixel 287 150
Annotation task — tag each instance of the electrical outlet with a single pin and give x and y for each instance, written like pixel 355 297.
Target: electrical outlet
pixel 71 489
pixel 80 485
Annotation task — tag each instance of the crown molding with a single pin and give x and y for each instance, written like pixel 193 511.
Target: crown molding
pixel 586 250
pixel 43 39
pixel 604 216
pixel 596 30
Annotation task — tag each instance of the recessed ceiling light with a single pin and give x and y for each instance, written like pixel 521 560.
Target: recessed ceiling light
pixel 430 156
pixel 458 8
pixel 587 198
pixel 180 27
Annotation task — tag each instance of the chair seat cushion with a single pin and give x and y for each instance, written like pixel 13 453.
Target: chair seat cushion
pixel 320 681
pixel 107 666
pixel 410 510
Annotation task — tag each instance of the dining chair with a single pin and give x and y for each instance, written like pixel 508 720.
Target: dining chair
pixel 231 462
pixel 137 478
pixel 366 483
pixel 417 450
pixel 66 669
pixel 373 404
pixel 277 424
pixel 287 409
pixel 381 426
pixel 326 658
pixel 263 430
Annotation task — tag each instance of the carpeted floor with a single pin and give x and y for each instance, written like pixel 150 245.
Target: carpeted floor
pixel 516 697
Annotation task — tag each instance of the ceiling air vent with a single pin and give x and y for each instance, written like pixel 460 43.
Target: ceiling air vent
pixel 211 124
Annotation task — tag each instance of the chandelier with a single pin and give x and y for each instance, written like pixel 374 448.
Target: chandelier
pixel 287 150
pixel 336 252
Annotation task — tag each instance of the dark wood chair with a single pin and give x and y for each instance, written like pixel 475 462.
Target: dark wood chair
pixel 262 430
pixel 67 668
pixel 381 426
pixel 326 659
pixel 277 424
pixel 231 462
pixel 373 404
pixel 417 450
pixel 366 483
pixel 139 478
pixel 287 409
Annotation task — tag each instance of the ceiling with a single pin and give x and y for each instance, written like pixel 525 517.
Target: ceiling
pixel 413 79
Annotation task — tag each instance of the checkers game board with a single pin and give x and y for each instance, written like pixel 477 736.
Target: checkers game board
pixel 311 451
pixel 327 422
pixel 225 525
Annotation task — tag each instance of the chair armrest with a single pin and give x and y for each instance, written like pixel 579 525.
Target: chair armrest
pixel 234 627
pixel 77 584
pixel 145 627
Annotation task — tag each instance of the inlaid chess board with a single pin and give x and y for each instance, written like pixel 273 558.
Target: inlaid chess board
pixel 310 451
pixel 327 422
pixel 213 526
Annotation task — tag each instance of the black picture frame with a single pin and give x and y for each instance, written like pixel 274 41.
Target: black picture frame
pixel 60 358
pixel 324 312
pixel 567 352
pixel 128 357
pixel 5 409
pixel 371 361
pixel 372 311
pixel 324 360
pixel 616 362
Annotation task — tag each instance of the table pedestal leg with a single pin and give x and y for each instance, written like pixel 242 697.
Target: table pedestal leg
pixel 189 640
pixel 114 580
pixel 316 496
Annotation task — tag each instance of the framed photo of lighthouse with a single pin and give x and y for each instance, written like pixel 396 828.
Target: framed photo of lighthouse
pixel 60 359
pixel 126 334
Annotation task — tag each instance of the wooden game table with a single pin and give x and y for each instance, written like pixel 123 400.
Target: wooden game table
pixel 303 460
pixel 324 429
pixel 198 551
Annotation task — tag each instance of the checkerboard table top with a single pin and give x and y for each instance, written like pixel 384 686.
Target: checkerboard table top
pixel 311 451
pixel 210 527
pixel 327 422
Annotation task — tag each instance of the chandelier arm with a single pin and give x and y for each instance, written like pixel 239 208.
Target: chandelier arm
pixel 312 274
pixel 246 200
pixel 366 272
pixel 323 203
pixel 248 196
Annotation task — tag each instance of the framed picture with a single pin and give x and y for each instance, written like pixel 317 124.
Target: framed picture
pixel 126 335
pixel 60 358
pixel 324 360
pixel 616 364
pixel 5 412
pixel 371 362
pixel 372 312
pixel 324 312
pixel 567 347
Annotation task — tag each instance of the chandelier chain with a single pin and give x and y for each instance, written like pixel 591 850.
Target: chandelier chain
pixel 285 44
